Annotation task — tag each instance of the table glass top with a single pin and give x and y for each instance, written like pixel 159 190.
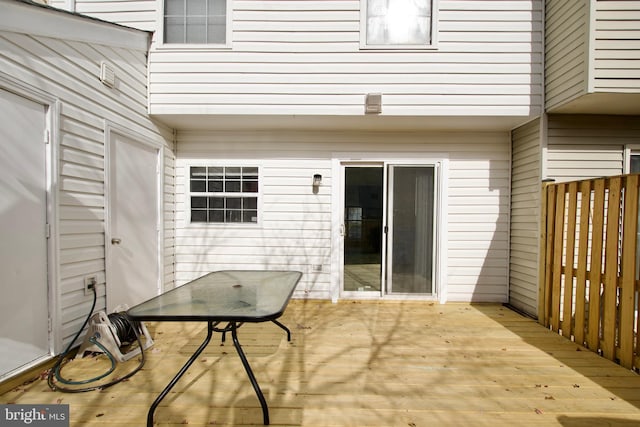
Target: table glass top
pixel 223 295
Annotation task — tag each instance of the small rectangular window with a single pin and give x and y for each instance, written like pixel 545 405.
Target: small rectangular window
pixel 224 194
pixel 196 21
pixel 393 24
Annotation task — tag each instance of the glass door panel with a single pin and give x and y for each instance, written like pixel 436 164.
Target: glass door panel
pixel 411 230
pixel 363 209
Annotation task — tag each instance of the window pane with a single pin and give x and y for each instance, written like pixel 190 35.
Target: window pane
pixel 216 202
pixel 250 216
pixel 216 216
pixel 234 203
pixel 398 22
pixel 216 33
pixel 196 7
pixel 174 30
pixel 232 186
pixel 217 7
pixel 232 173
pixel 635 163
pixel 198 172
pixel 215 173
pixel 234 216
pixel 249 203
pixel 198 186
pixel 174 8
pixel 215 186
pixel 250 173
pixel 198 216
pixel 198 202
pixel 196 29
pixel 250 187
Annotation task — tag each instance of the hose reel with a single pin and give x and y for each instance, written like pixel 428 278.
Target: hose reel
pixel 113 332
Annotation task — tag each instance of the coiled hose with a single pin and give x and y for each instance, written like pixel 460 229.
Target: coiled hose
pixel 125 330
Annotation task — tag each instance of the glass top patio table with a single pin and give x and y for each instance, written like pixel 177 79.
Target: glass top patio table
pixel 233 297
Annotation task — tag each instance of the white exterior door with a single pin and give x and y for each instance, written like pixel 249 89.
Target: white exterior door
pixel 132 239
pixel 24 310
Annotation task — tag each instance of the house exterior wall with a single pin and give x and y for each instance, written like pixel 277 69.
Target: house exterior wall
pixel 140 14
pixel 566 50
pixel 67 69
pixel 304 57
pixel 616 48
pixel 582 147
pixel 296 226
pixel 525 216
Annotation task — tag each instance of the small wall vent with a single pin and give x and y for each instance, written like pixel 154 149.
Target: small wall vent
pixel 107 74
pixel 373 103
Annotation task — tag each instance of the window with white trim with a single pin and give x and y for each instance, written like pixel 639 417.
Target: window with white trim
pixel 224 194
pixel 397 23
pixel 196 21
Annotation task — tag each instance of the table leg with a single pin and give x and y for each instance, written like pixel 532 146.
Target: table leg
pixel 252 378
pixel 285 328
pixel 175 379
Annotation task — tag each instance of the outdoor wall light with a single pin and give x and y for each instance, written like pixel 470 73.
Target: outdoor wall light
pixel 317 180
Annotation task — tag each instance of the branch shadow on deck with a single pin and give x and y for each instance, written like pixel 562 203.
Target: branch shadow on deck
pixel 375 364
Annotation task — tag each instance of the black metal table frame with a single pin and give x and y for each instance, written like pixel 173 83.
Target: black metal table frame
pixel 212 326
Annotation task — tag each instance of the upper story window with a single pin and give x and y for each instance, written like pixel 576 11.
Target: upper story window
pixel 196 21
pixel 394 24
pixel 224 194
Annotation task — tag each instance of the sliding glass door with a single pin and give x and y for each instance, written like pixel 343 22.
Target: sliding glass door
pixel 388 229
pixel 411 230
pixel 363 207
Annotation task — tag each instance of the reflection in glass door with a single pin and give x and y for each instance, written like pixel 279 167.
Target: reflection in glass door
pixel 363 209
pixel 411 230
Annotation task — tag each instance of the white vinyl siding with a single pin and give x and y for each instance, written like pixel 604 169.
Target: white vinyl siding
pixel 582 147
pixel 68 70
pixel 617 46
pixel 567 44
pixel 304 57
pixel 525 217
pixel 295 230
pixel 140 14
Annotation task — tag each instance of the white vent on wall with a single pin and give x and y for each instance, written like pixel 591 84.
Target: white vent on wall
pixel 373 103
pixel 107 74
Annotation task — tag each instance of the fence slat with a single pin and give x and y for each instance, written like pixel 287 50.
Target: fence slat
pixel 610 284
pixel 548 277
pixel 557 258
pixel 593 324
pixel 581 273
pixel 543 266
pixel 627 284
pixel 567 303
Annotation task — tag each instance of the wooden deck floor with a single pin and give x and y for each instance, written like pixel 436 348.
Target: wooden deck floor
pixel 361 364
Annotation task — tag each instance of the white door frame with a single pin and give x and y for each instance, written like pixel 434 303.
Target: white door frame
pixel 51 141
pixel 109 129
pixel 337 216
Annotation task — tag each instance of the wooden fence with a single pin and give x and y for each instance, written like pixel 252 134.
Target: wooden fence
pixel 588 268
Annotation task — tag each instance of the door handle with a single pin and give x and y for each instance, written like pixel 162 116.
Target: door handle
pixel 115 241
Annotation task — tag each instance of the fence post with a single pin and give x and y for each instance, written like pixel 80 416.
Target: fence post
pixel 546 232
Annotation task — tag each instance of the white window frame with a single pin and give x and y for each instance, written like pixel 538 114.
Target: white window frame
pixel 195 46
pixel 629 150
pixel 188 194
pixel 430 46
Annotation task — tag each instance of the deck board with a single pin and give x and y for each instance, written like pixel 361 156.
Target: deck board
pixel 363 364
